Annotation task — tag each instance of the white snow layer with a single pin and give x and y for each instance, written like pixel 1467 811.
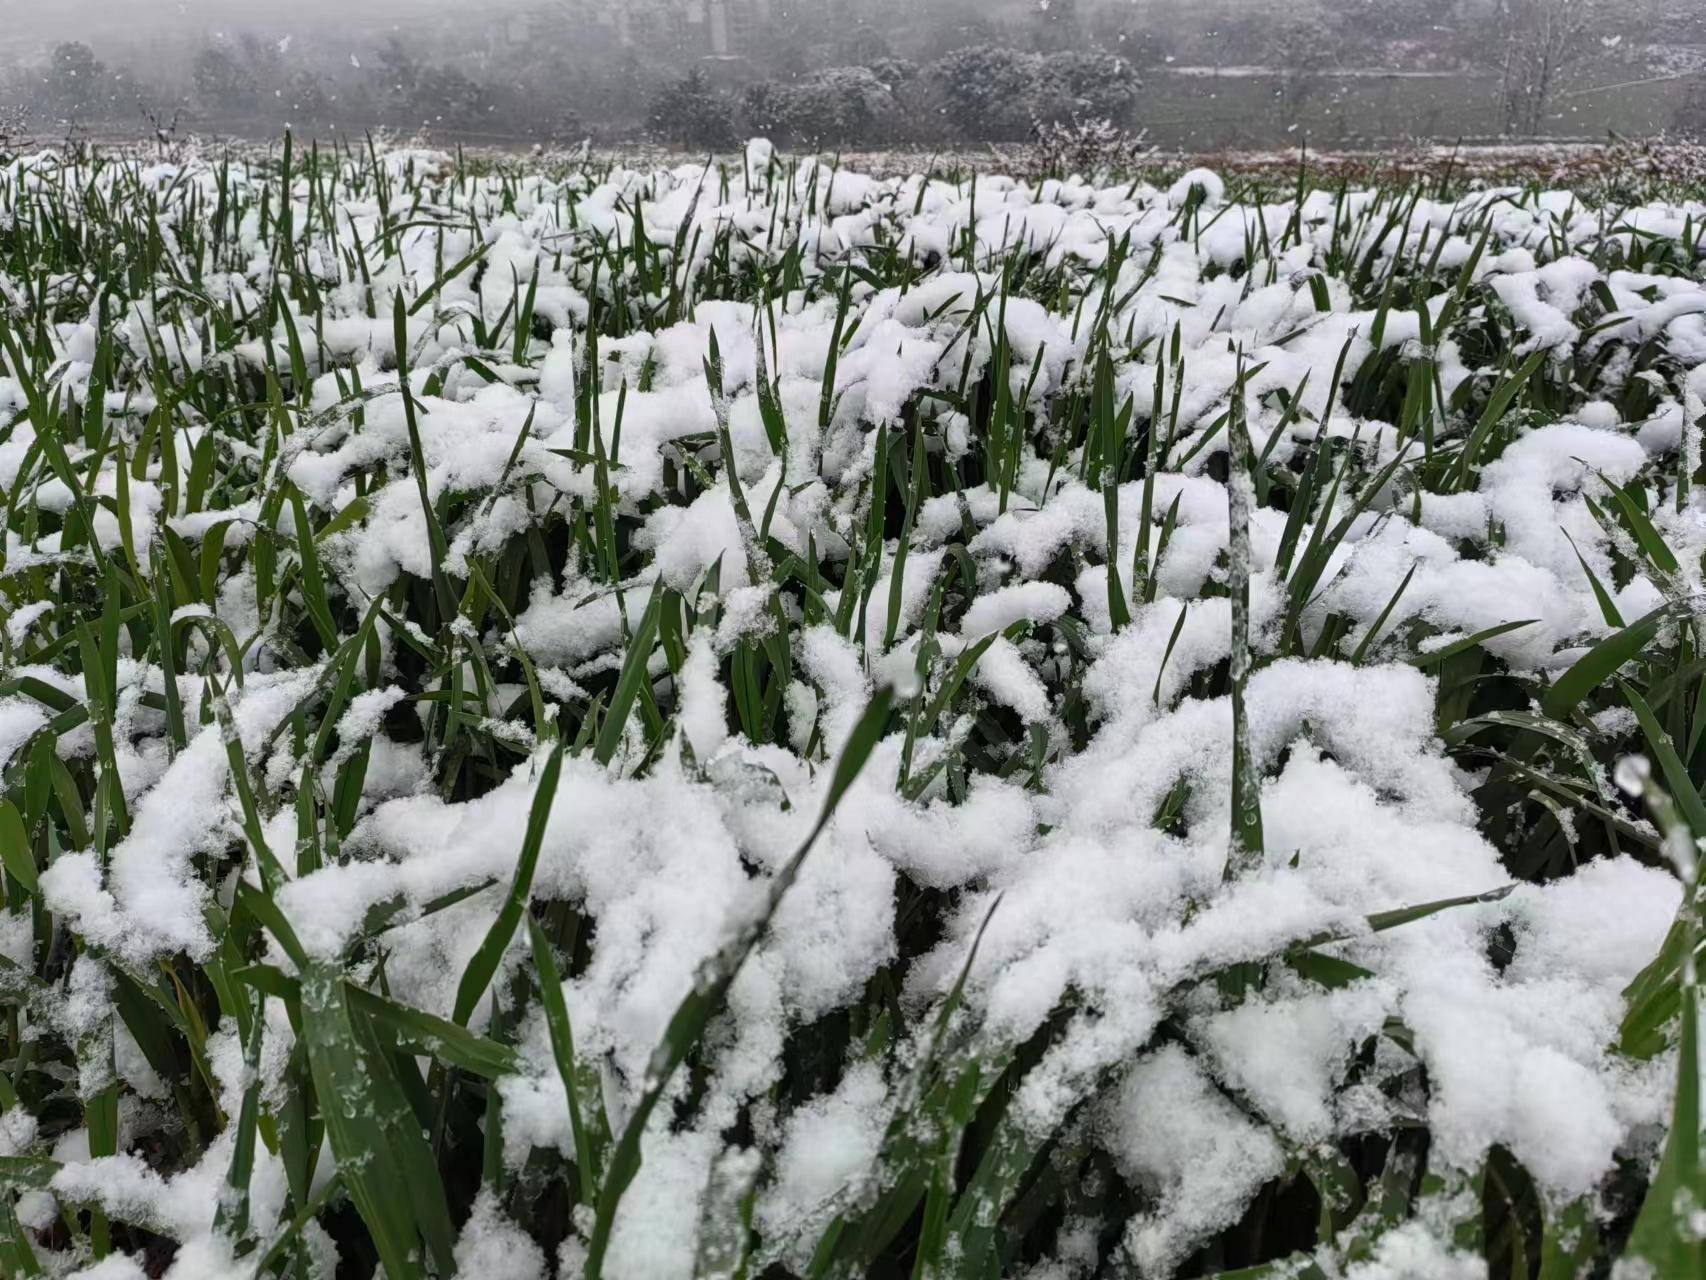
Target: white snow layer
pixel 1099 910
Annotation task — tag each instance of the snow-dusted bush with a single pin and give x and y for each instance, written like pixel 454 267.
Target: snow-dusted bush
pixel 995 92
pixel 1097 148
pixel 839 105
pixel 691 111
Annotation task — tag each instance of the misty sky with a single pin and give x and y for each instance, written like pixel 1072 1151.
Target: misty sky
pixel 36 22
pixel 57 17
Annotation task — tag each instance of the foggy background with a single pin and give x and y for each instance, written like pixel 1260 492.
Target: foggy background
pixel 1193 74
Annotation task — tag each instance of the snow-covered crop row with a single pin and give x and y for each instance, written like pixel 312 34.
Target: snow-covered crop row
pixel 757 720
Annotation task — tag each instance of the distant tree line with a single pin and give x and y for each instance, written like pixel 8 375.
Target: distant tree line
pixel 831 75
pixel 979 93
pixel 246 80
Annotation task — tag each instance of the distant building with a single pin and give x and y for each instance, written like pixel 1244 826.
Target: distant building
pixel 709 28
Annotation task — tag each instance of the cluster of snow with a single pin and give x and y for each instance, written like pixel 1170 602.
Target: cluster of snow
pixel 1199 1100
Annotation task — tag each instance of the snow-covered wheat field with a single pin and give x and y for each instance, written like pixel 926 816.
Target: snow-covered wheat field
pixel 752 720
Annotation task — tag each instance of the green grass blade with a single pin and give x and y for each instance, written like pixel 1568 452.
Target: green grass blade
pixel 484 962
